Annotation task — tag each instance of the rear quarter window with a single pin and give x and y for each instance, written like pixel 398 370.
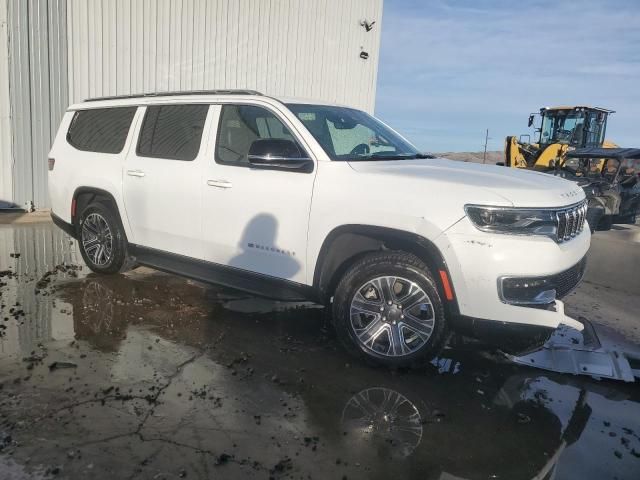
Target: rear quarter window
pixel 101 130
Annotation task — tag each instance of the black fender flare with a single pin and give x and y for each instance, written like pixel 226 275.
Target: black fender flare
pixel 331 261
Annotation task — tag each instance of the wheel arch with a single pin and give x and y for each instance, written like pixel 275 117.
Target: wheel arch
pixel 85 195
pixel 347 243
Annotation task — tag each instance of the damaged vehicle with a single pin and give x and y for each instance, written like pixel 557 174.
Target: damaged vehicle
pixel 296 200
pixel 610 178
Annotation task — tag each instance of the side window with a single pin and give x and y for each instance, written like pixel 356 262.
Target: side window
pixel 102 130
pixel 239 126
pixel 172 132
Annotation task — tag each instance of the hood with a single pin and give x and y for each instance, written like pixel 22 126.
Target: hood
pixel 519 187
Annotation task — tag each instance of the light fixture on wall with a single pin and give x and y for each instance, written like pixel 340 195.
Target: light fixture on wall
pixel 367 26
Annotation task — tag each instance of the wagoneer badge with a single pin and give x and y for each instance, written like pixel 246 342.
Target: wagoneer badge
pixel 571 194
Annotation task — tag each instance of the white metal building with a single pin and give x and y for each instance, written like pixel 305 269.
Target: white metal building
pixel 57 52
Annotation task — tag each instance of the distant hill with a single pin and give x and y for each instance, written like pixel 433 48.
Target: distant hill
pixel 475 157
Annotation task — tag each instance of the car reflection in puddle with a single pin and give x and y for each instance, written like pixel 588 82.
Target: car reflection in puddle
pixel 169 379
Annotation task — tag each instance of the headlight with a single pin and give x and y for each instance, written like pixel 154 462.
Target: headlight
pixel 516 221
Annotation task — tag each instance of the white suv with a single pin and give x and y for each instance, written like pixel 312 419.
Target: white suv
pixel 295 200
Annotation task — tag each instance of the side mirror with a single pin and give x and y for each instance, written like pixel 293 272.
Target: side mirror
pixel 531 118
pixel 278 154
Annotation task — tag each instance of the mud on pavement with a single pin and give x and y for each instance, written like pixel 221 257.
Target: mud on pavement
pixel 147 375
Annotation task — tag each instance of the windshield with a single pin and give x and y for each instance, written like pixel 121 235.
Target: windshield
pixel 564 127
pixel 579 128
pixel 349 134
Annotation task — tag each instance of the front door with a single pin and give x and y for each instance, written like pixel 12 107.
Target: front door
pixel 161 179
pixel 254 220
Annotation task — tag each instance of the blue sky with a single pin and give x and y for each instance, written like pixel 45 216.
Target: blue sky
pixel 450 69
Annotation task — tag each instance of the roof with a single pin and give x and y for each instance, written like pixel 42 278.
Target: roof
pixel 574 107
pixel 604 153
pixel 184 96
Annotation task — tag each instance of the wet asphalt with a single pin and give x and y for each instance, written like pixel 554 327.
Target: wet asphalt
pixel 148 375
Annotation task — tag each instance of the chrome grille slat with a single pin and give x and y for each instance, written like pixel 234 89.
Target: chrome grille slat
pixel 561 226
pixel 568 233
pixel 570 222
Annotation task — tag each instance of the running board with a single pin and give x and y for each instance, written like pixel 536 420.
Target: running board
pixel 598 351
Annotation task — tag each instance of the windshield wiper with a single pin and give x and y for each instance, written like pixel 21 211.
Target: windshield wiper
pixel 387 156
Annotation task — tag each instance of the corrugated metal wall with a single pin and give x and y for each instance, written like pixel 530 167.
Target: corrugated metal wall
pixel 38 91
pixel 304 48
pixel 6 157
pixel 63 51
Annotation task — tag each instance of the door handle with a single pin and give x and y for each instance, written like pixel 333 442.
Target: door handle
pixel 135 173
pixel 219 183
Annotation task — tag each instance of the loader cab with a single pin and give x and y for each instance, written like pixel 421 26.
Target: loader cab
pixel 578 127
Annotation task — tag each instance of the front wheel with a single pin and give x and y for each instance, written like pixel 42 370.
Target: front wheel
pixel 102 240
pixel 387 310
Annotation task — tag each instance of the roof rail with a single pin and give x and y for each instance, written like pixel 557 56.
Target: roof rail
pixel 176 93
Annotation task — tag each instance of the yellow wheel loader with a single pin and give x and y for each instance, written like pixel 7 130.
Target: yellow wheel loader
pixel 562 129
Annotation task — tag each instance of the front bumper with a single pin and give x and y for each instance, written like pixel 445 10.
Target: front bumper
pixel 477 260
pixel 541 291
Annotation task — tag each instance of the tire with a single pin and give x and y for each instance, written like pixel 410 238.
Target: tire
pixel 629 219
pixel 99 228
pixel 593 217
pixel 368 332
pixel 605 223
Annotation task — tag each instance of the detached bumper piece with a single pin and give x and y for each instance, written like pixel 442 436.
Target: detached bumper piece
pixel 540 290
pixel 597 351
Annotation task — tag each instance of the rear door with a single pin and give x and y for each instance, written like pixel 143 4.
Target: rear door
pixel 161 179
pixel 254 220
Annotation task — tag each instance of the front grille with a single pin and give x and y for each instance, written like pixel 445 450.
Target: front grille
pixel 565 282
pixel 570 221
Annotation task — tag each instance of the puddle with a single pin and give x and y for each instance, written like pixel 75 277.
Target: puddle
pixel 152 376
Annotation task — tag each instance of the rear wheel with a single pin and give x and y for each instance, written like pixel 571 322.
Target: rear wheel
pixel 102 240
pixel 387 310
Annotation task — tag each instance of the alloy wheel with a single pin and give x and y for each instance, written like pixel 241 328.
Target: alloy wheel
pixel 97 239
pixel 392 316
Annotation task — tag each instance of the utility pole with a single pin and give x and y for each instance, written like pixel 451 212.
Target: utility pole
pixel 486 140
